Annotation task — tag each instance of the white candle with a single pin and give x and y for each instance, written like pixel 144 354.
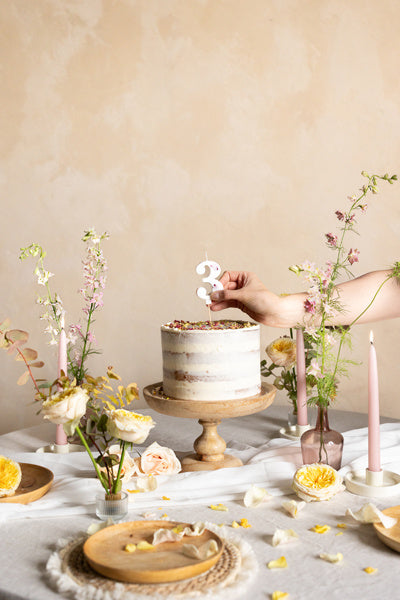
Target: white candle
pixel 61 437
pixel 214 272
pixel 374 460
pixel 302 418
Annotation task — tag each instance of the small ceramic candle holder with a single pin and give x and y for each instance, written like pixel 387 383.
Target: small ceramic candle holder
pixel 373 484
pixel 294 432
pixel 60 449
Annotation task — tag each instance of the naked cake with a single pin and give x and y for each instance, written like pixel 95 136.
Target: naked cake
pixel 211 360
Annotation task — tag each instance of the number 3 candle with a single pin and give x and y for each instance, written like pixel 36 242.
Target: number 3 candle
pixel 214 272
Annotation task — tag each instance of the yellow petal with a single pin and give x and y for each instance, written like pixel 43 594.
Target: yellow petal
pixel 235 524
pixel 135 491
pixel 332 558
pixel 370 570
pixel 244 523
pixel 280 563
pixel 320 528
pixel 165 498
pixel 220 506
pixel 341 525
pixel 338 533
pixel 143 545
pixel 277 595
pixel 130 548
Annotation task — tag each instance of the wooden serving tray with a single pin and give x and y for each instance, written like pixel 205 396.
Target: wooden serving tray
pixel 105 553
pixel 390 537
pixel 35 482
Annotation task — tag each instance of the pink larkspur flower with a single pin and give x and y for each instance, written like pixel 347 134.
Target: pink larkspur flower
pixel 340 215
pixel 310 306
pixel 331 239
pixel 353 255
pixel 314 369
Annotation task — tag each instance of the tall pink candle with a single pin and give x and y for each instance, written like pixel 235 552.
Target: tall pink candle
pixel 374 459
pixel 302 418
pixel 61 437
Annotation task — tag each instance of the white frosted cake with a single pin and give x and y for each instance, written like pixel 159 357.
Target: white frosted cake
pixel 211 360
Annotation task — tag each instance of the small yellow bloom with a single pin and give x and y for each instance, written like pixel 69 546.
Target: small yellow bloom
pixel 341 525
pixel 244 523
pixel 277 595
pixel 320 528
pixel 235 524
pixel 370 570
pixel 143 545
pixel 130 548
pixel 165 498
pixel 280 563
pixel 219 506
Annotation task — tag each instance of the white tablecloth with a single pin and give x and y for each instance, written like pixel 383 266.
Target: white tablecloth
pixel 29 533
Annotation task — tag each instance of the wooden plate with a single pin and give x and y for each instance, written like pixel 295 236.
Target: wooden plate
pixel 35 482
pixel 105 553
pixel 390 537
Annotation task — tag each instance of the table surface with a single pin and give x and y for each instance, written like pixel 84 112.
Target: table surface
pixel 25 545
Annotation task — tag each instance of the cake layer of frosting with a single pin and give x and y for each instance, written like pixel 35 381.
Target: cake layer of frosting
pixel 211 361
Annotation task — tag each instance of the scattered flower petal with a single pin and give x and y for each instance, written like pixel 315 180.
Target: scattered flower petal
pixel 177 533
pixel 292 507
pixel 341 525
pixel 277 595
pixel 235 524
pixel 244 523
pixel 320 528
pixel 283 536
pixel 143 545
pixel 96 526
pixel 370 570
pixel 279 563
pixel 332 558
pixel 219 506
pixel 149 515
pixel 338 533
pixel 130 548
pixel 254 496
pixel 147 483
pixel 165 498
pixel 200 552
pixel 370 514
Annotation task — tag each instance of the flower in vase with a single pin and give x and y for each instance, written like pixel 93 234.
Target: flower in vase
pixel 282 352
pixel 129 426
pixel 158 460
pixel 128 464
pixel 66 408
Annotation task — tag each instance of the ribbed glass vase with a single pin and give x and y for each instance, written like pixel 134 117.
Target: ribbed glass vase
pixel 322 444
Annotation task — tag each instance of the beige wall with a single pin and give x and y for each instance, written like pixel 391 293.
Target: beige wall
pixel 236 127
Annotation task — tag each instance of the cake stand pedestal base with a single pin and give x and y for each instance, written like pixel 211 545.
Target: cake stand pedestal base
pixel 209 446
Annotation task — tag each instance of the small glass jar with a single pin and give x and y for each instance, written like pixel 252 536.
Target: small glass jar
pixel 112 506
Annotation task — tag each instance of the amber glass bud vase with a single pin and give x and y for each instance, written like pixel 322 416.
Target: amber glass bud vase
pixel 322 444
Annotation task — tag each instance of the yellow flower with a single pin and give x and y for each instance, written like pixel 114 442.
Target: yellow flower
pixel 129 426
pixel 317 482
pixel 282 352
pixel 10 476
pixel 280 563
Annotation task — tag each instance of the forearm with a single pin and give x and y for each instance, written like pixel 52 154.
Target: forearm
pixel 354 295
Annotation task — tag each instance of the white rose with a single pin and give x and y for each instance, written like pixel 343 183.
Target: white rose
pixel 159 460
pixel 128 466
pixel 129 426
pixel 282 352
pixel 66 408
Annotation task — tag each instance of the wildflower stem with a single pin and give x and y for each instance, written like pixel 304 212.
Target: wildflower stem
pixel 96 466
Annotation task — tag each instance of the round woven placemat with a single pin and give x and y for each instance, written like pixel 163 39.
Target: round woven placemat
pixel 75 565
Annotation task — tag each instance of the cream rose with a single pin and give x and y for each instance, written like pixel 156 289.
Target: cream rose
pixel 129 426
pixel 158 460
pixel 282 352
pixel 66 408
pixel 128 466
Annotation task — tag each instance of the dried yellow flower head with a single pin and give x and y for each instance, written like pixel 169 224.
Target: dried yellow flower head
pixel 316 482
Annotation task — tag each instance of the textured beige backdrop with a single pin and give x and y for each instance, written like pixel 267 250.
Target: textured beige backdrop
pixel 235 127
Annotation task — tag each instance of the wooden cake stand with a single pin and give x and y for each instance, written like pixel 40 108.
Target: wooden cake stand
pixel 209 446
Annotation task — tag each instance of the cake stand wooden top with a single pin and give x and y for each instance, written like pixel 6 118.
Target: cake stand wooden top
pixel 203 409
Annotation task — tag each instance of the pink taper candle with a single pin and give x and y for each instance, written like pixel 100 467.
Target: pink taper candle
pixel 302 418
pixel 61 437
pixel 374 460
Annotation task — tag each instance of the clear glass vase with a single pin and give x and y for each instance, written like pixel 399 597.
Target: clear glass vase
pixel 322 444
pixel 112 506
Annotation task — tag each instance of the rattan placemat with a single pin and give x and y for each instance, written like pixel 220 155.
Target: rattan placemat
pixel 74 564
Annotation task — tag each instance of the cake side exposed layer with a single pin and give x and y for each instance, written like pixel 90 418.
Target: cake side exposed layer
pixel 211 360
